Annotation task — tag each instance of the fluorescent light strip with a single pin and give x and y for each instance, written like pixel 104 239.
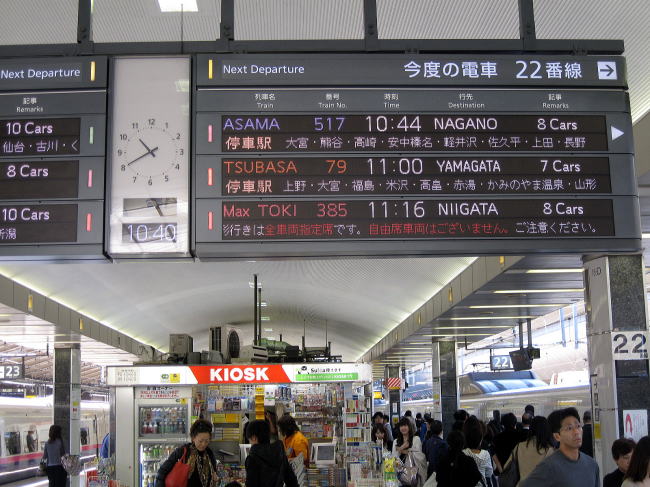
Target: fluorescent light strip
pixel 532 291
pixel 565 270
pixel 178 6
pixel 496 306
pixel 465 318
pixel 472 327
pixel 645 235
pixel 464 335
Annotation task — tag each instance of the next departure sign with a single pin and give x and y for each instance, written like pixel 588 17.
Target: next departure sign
pixel 413 164
pixel 52 146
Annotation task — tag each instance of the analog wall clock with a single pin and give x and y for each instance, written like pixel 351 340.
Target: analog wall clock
pixel 149 180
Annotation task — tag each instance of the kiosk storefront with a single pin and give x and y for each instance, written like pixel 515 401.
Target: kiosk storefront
pixel 154 406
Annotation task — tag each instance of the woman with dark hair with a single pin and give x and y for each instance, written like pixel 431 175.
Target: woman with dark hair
pixel 378 435
pixel 266 462
pixel 455 469
pixel 197 454
pixel 536 448
pixel 637 474
pixel 294 441
pixel 473 429
pixel 408 442
pixel 54 450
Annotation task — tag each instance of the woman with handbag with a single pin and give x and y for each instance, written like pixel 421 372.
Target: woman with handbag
pixel 193 464
pixel 408 448
pixel 54 450
pixel 528 453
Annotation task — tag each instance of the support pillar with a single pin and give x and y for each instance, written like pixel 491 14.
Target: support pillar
pixel 435 381
pixel 616 304
pixel 394 395
pixel 449 399
pixel 67 398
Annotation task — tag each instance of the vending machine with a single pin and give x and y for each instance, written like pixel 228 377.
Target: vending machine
pixel 163 415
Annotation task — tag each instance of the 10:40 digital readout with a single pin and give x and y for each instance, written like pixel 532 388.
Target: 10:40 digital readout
pixel 149 232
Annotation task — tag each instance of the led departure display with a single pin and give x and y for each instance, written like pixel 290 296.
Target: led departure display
pixel 383 160
pixel 409 219
pixel 39 136
pixel 27 179
pixel 52 157
pixel 21 224
pixel 406 133
pixel 396 175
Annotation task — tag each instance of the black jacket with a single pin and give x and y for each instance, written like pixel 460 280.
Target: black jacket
pixel 176 455
pixel 457 471
pixel 267 466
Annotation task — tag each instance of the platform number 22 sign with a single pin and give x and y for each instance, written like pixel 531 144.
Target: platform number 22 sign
pixel 630 345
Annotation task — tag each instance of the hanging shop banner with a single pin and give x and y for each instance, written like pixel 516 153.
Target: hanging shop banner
pixel 239 374
pixel 162 392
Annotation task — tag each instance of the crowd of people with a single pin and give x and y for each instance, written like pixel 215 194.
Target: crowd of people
pixel 535 451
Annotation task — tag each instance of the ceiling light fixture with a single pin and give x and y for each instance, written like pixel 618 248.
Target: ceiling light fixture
pixel 559 270
pixel 493 306
pixel 566 270
pixel 268 329
pixel 178 6
pixel 471 327
pixel 531 291
pixel 468 318
pixel 464 335
pixel 265 318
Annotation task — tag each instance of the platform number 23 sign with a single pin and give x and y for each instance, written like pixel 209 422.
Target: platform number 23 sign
pixel 11 371
pixel 630 345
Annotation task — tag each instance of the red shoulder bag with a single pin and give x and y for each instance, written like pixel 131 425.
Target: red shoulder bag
pixel 178 475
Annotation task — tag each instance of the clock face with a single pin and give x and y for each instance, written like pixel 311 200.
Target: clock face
pixel 151 153
pixel 149 160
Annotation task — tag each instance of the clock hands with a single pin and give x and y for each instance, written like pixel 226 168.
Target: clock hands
pixel 147 147
pixel 149 152
pixel 156 205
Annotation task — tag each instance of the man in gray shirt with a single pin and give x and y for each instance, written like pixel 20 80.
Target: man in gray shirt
pixel 567 467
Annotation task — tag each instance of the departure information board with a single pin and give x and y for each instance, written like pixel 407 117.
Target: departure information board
pixel 411 156
pixel 52 158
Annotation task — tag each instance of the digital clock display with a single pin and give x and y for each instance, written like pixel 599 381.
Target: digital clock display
pixel 292 176
pixel 141 233
pixel 38 223
pixel 51 136
pixel 415 219
pixel 407 133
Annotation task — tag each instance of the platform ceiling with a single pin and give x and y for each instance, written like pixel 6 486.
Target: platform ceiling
pixel 358 300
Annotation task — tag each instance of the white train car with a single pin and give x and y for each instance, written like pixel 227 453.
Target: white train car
pixel 544 399
pixel 24 427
